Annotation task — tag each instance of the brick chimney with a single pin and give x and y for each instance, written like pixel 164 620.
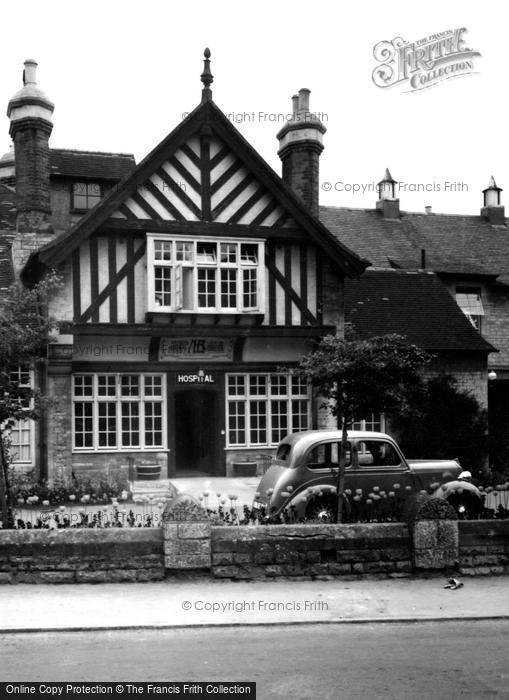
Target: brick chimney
pixel 300 146
pixel 30 113
pixel 492 210
pixel 388 203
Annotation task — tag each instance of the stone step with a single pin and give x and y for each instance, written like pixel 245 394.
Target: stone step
pixel 163 489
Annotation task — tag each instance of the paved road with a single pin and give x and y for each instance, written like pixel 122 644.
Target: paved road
pixel 426 660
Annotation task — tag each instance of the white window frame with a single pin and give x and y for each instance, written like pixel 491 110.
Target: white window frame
pixel 266 396
pixel 366 424
pixel 180 285
pixel 29 424
pixel 141 399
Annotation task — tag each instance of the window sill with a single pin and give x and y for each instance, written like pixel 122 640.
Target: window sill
pixel 208 318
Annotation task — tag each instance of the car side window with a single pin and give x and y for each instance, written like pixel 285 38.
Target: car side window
pixel 377 453
pixel 326 456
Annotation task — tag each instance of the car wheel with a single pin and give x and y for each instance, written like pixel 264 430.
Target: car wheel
pixel 468 506
pixel 323 509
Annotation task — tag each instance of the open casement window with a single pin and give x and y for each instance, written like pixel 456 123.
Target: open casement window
pixel 469 300
pixel 205 276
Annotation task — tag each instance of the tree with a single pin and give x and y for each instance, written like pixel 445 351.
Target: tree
pixel 25 329
pixel 359 376
pixel 444 422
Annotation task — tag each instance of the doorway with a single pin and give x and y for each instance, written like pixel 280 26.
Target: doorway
pixel 197 432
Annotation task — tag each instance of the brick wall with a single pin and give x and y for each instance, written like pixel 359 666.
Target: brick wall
pixel 59 422
pixel 469 370
pixel 81 556
pixel 32 166
pixel 301 172
pixel 310 550
pixel 483 547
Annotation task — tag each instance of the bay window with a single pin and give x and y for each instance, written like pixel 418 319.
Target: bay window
pixel 118 412
pixel 262 408
pixel 205 276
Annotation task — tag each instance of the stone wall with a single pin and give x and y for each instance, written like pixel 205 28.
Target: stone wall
pixel 310 550
pixel 81 556
pixel 483 547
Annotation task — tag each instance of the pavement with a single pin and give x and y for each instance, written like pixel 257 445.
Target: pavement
pixel 177 603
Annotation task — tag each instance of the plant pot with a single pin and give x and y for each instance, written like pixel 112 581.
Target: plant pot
pixel 148 472
pixel 244 468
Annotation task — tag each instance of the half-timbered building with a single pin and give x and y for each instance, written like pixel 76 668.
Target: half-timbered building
pixel 191 287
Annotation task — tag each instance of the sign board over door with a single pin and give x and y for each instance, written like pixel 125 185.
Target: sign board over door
pixel 186 349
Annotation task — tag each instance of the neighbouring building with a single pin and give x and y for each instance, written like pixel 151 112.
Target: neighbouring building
pixel 469 256
pixel 193 282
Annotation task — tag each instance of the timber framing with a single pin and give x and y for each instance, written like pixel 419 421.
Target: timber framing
pixel 223 331
pixel 206 119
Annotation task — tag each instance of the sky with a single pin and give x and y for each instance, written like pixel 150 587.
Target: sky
pixel 121 74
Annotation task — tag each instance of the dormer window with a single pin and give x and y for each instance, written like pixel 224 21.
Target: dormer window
pixel 470 302
pixel 205 276
pixel 85 195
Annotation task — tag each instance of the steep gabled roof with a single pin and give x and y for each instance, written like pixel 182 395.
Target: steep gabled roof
pixel 453 244
pixel 90 164
pixel 209 117
pixel 413 304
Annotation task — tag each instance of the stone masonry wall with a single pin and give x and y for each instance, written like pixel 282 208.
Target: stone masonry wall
pixel 483 547
pixel 310 550
pixel 81 556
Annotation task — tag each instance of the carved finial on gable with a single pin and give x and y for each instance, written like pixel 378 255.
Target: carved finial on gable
pixel 206 77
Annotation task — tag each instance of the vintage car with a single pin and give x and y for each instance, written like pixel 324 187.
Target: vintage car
pixel 303 475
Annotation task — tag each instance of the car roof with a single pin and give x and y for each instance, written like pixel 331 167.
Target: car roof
pixel 308 437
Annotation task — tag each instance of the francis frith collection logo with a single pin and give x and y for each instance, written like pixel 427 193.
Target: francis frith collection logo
pixel 423 63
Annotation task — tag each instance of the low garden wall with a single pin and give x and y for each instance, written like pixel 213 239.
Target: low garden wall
pixel 188 541
pixel 483 547
pixel 310 550
pixel 81 556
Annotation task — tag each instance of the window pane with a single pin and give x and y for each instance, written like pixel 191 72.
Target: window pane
pixel 130 424
pixel 184 251
pixel 236 385
pixel 236 422
pixel 129 385
pixel 249 288
pixel 206 252
pixel 278 384
pixel 153 385
pixel 107 424
pixel 162 250
pixel 153 424
pixel 106 384
pixel 228 253
pixel 300 409
pixel 20 437
pixel 299 386
pixel 162 286
pixel 279 417
pixel 83 385
pixel 258 416
pixel 257 384
pixel 83 424
pixel 249 253
pixel 206 287
pixel 229 288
